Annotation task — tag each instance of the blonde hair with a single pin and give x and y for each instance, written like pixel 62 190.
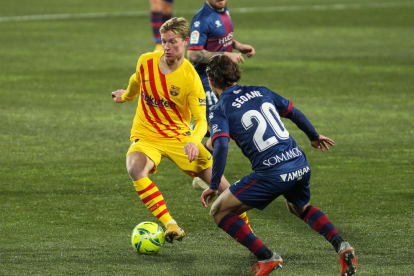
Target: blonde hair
pixel 178 25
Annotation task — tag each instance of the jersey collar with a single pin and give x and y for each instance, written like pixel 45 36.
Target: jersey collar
pixel 231 89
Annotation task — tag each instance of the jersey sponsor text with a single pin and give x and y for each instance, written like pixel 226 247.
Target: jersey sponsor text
pixel 287 155
pixel 227 40
pixel 295 175
pixel 157 103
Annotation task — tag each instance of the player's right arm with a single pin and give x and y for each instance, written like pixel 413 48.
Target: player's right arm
pixel 134 87
pixel 221 146
pixel 220 137
pixel 220 140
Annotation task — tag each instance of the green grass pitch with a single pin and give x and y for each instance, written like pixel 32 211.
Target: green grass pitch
pixel 68 206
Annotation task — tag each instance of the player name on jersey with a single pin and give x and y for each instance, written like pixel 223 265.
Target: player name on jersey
pixel 244 98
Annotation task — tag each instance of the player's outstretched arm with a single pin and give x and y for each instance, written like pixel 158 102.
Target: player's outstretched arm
pixel 244 48
pixel 322 142
pixel 207 196
pixel 221 145
pixel 202 56
pixel 117 95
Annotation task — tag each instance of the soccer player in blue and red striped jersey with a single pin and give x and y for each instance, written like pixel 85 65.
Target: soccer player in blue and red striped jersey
pixel 251 116
pixel 212 33
pixel 161 11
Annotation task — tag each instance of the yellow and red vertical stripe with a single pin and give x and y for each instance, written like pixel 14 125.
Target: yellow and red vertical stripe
pixel 159 116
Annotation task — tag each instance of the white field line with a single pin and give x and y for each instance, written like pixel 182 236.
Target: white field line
pixel 64 16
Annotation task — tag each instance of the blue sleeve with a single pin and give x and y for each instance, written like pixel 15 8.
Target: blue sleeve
pixel 296 116
pixel 199 34
pixel 283 105
pixel 221 146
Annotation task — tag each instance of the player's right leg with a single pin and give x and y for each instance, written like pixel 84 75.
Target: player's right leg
pixel 347 259
pixel 225 212
pixel 142 159
pixel 206 175
pixel 167 6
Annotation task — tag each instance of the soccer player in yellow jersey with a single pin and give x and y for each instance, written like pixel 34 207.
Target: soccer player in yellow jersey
pixel 169 92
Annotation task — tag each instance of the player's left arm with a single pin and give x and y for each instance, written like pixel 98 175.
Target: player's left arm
pixel 197 103
pixel 317 141
pixel 296 116
pixel 244 48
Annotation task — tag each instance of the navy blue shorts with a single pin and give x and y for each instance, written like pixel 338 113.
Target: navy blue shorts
pixel 260 189
pixel 169 1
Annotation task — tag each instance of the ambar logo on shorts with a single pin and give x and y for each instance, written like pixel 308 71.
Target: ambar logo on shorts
pixel 296 174
pixel 157 103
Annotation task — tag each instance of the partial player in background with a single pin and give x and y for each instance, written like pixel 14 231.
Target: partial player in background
pixel 161 11
pixel 251 116
pixel 169 91
pixel 211 34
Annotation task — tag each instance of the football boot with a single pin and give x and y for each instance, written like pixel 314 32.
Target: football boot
pixel 173 232
pixel 265 267
pixel 347 259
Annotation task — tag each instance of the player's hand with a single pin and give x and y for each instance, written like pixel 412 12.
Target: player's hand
pixel 235 57
pixel 247 50
pixel 117 95
pixel 322 143
pixel 191 150
pixel 207 196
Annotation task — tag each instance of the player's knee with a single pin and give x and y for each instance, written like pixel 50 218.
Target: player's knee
pixel 291 209
pixel 134 171
pixel 214 213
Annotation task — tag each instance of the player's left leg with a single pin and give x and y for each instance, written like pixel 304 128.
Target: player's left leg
pixel 297 201
pixel 156 19
pixel 225 213
pixel 211 100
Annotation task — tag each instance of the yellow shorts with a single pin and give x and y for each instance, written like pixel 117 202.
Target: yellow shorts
pixel 173 150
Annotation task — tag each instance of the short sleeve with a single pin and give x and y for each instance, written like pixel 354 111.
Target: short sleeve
pixel 219 125
pixel 199 35
pixel 284 106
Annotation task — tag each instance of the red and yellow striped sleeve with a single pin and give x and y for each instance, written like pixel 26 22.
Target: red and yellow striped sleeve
pixel 134 86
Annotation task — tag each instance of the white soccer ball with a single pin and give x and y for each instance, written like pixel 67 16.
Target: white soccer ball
pixel 147 238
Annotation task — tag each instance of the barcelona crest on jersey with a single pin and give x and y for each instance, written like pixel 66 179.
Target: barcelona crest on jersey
pixel 174 91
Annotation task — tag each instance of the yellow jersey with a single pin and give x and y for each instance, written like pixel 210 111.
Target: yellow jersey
pixel 166 102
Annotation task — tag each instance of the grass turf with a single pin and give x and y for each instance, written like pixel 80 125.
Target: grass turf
pixel 68 206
